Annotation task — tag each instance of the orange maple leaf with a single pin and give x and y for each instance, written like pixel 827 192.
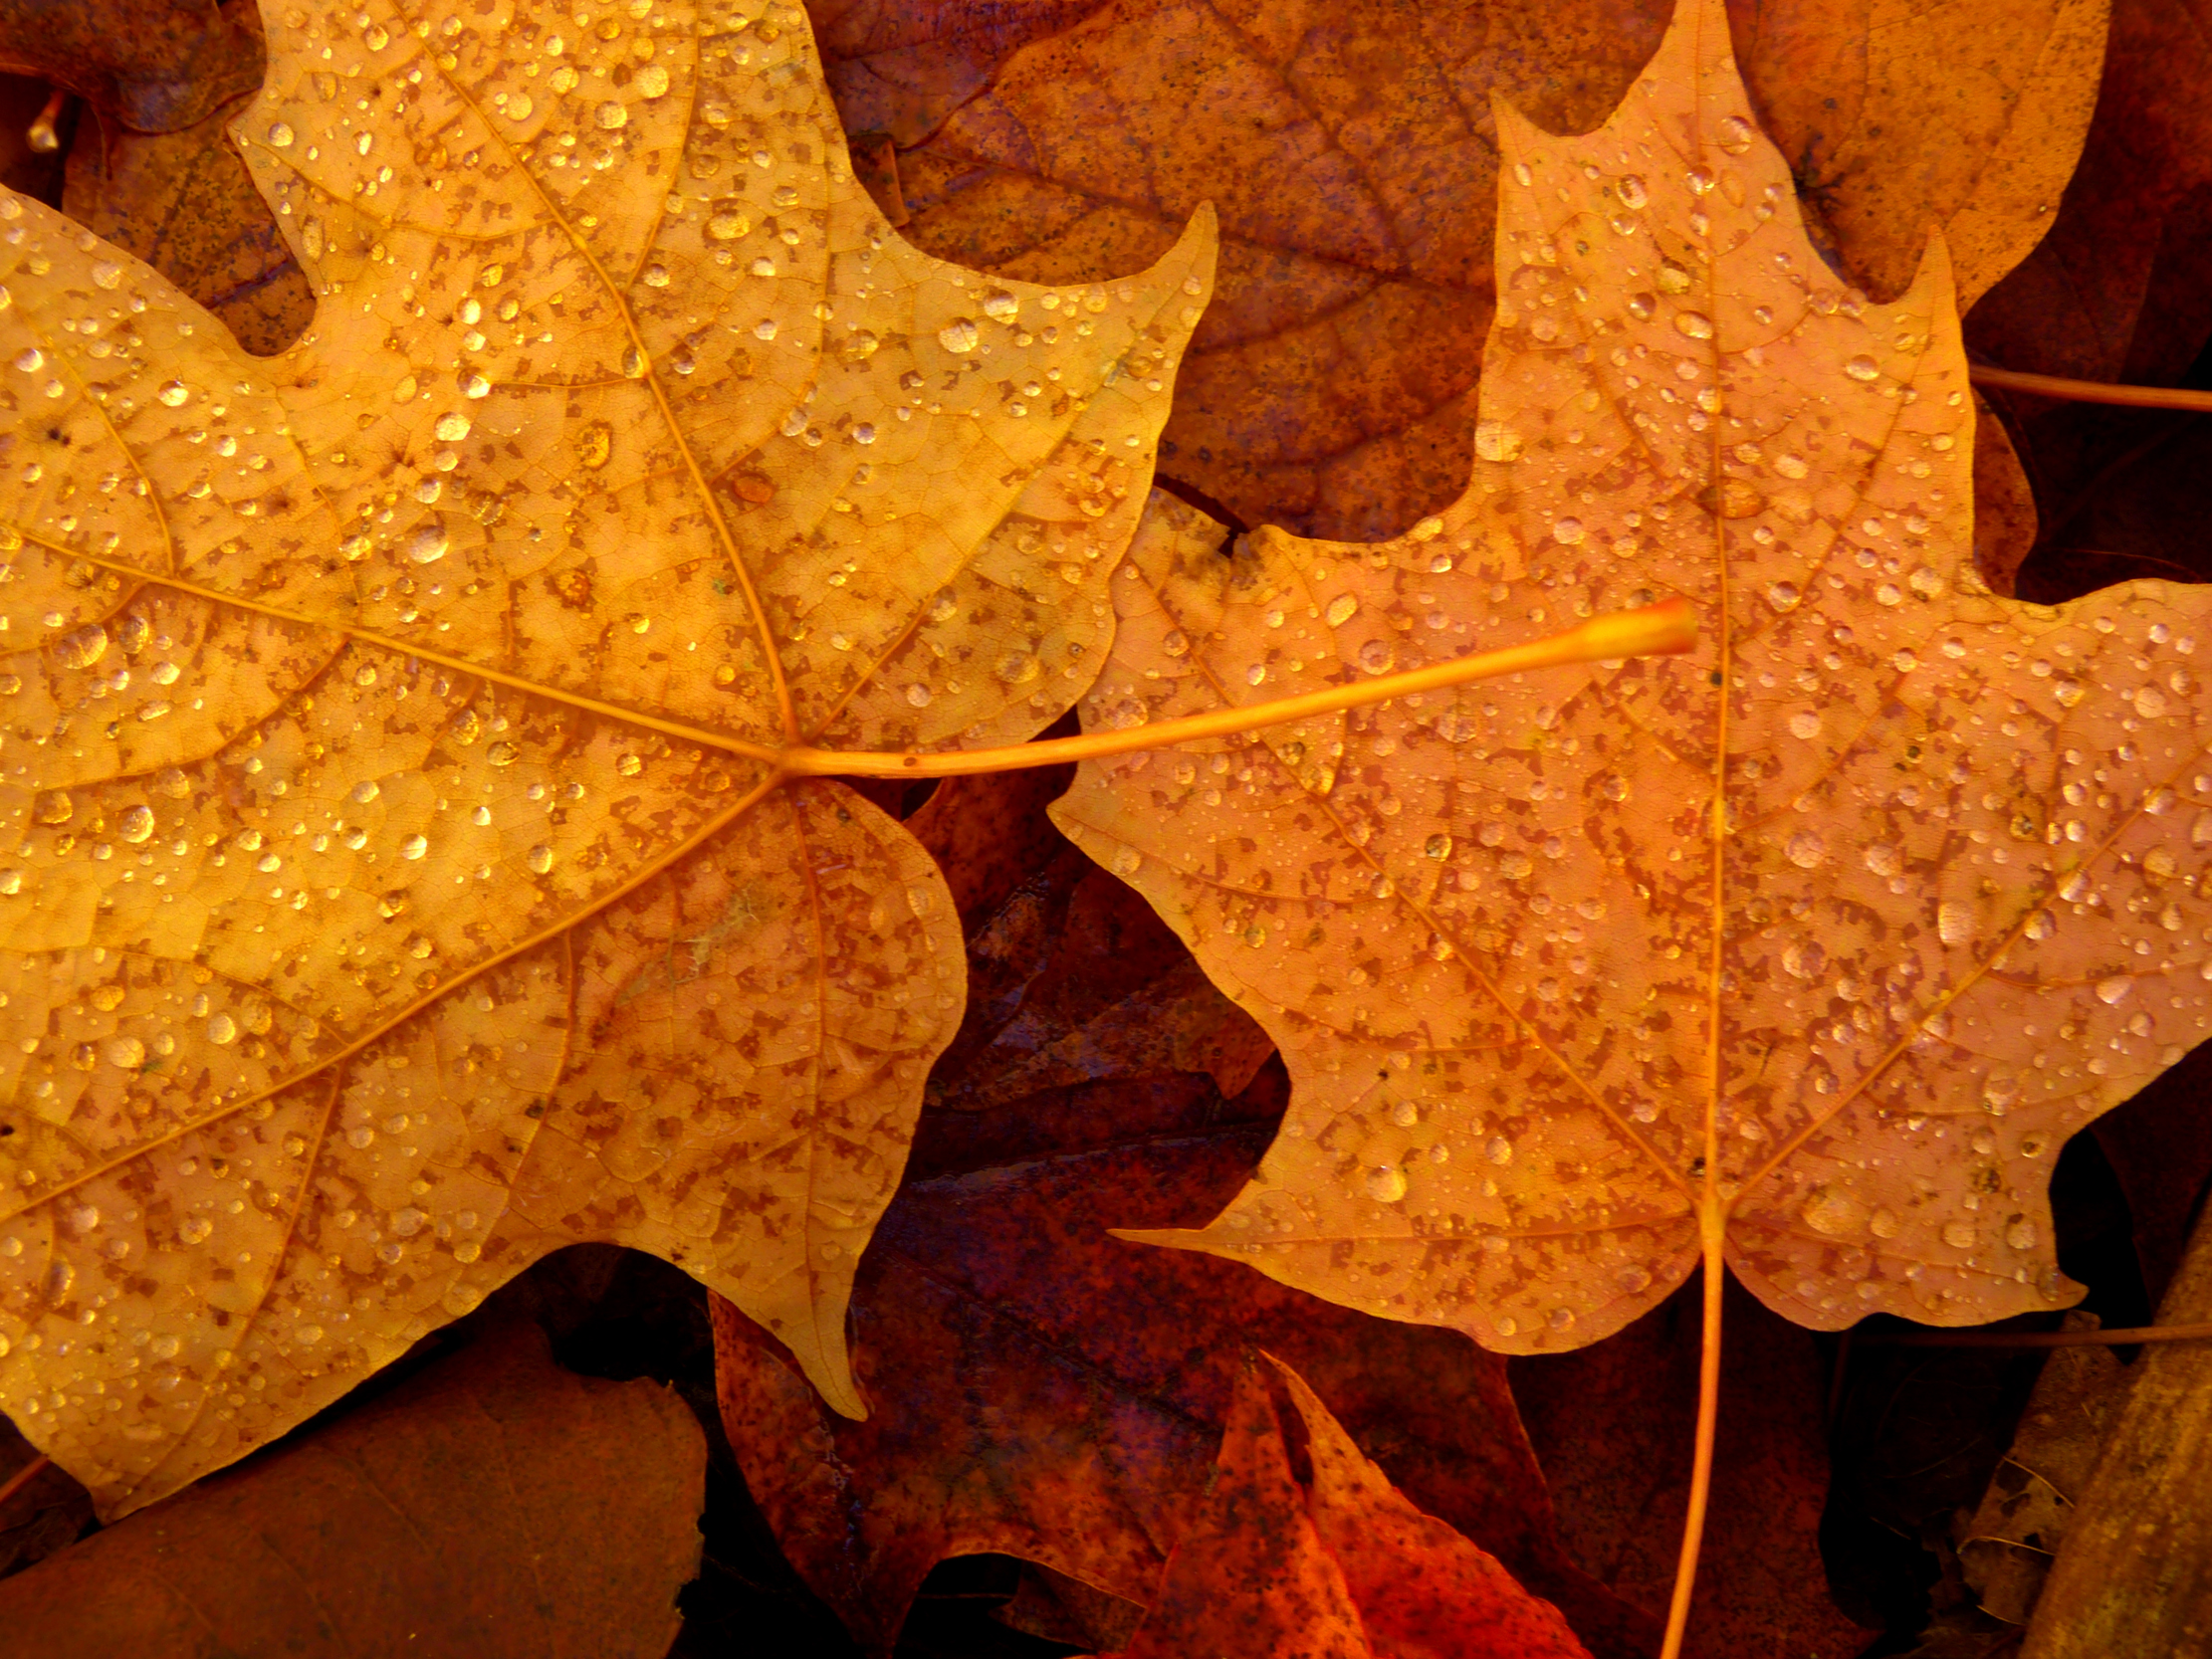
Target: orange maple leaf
pixel 1805 951
pixel 407 874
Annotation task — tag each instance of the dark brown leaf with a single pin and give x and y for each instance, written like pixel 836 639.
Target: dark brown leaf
pixel 495 1505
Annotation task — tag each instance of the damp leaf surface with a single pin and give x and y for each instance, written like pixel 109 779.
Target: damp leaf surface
pixel 399 883
pixel 1338 1566
pixel 1813 944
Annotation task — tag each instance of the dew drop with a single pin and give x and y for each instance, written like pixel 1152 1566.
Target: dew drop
pixel 453 427
pixel 427 544
pixel 540 861
pixel 136 825
pixel 1568 532
pixel 1342 609
pixel 1832 1213
pixel 279 135
pixel 1805 724
pixel 2115 991
pixel 1384 1185
pixel 414 847
pixel 1883 859
pixel 1862 367
pixel 959 337
pixel 611 116
pixel 82 647
pixel 1696 325
pixel 1376 656
pixel 1960 1234
pixel 1784 597
pixel 173 393
pixel 1495 441
pixel 1954 922
pixel 221 1028
pixel 1806 850
pixel 1632 191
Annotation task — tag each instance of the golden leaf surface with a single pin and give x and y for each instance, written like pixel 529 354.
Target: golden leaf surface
pixel 400 882
pixel 1814 943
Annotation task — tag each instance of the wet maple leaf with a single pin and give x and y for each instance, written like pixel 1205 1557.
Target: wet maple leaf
pixel 1350 148
pixel 402 882
pixel 1807 950
pixel 1341 1567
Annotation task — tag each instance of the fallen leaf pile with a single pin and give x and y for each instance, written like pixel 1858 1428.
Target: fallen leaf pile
pixel 465 476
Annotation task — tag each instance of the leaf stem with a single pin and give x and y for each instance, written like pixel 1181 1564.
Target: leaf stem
pixel 2121 1336
pixel 1668 627
pixel 1708 1423
pixel 23 1477
pixel 2091 391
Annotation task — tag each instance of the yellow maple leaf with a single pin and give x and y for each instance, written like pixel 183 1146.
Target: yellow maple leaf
pixel 1805 951
pixel 403 880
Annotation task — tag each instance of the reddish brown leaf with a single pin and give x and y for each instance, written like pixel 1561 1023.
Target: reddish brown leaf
pixel 155 66
pixel 1612 1427
pixel 495 1505
pixel 183 202
pixel 1338 1565
pixel 1353 154
pixel 1038 1388
pixel 2116 291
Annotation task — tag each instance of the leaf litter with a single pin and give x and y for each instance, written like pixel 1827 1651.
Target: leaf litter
pixel 1819 202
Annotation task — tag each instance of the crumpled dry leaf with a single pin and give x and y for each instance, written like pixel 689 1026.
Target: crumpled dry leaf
pixel 1816 941
pixel 2009 1538
pixel 1336 1566
pixel 400 884
pixel 495 1505
pixel 1352 151
pixel 2135 1575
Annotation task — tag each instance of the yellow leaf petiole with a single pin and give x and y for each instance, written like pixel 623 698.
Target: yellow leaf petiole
pixel 1667 628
